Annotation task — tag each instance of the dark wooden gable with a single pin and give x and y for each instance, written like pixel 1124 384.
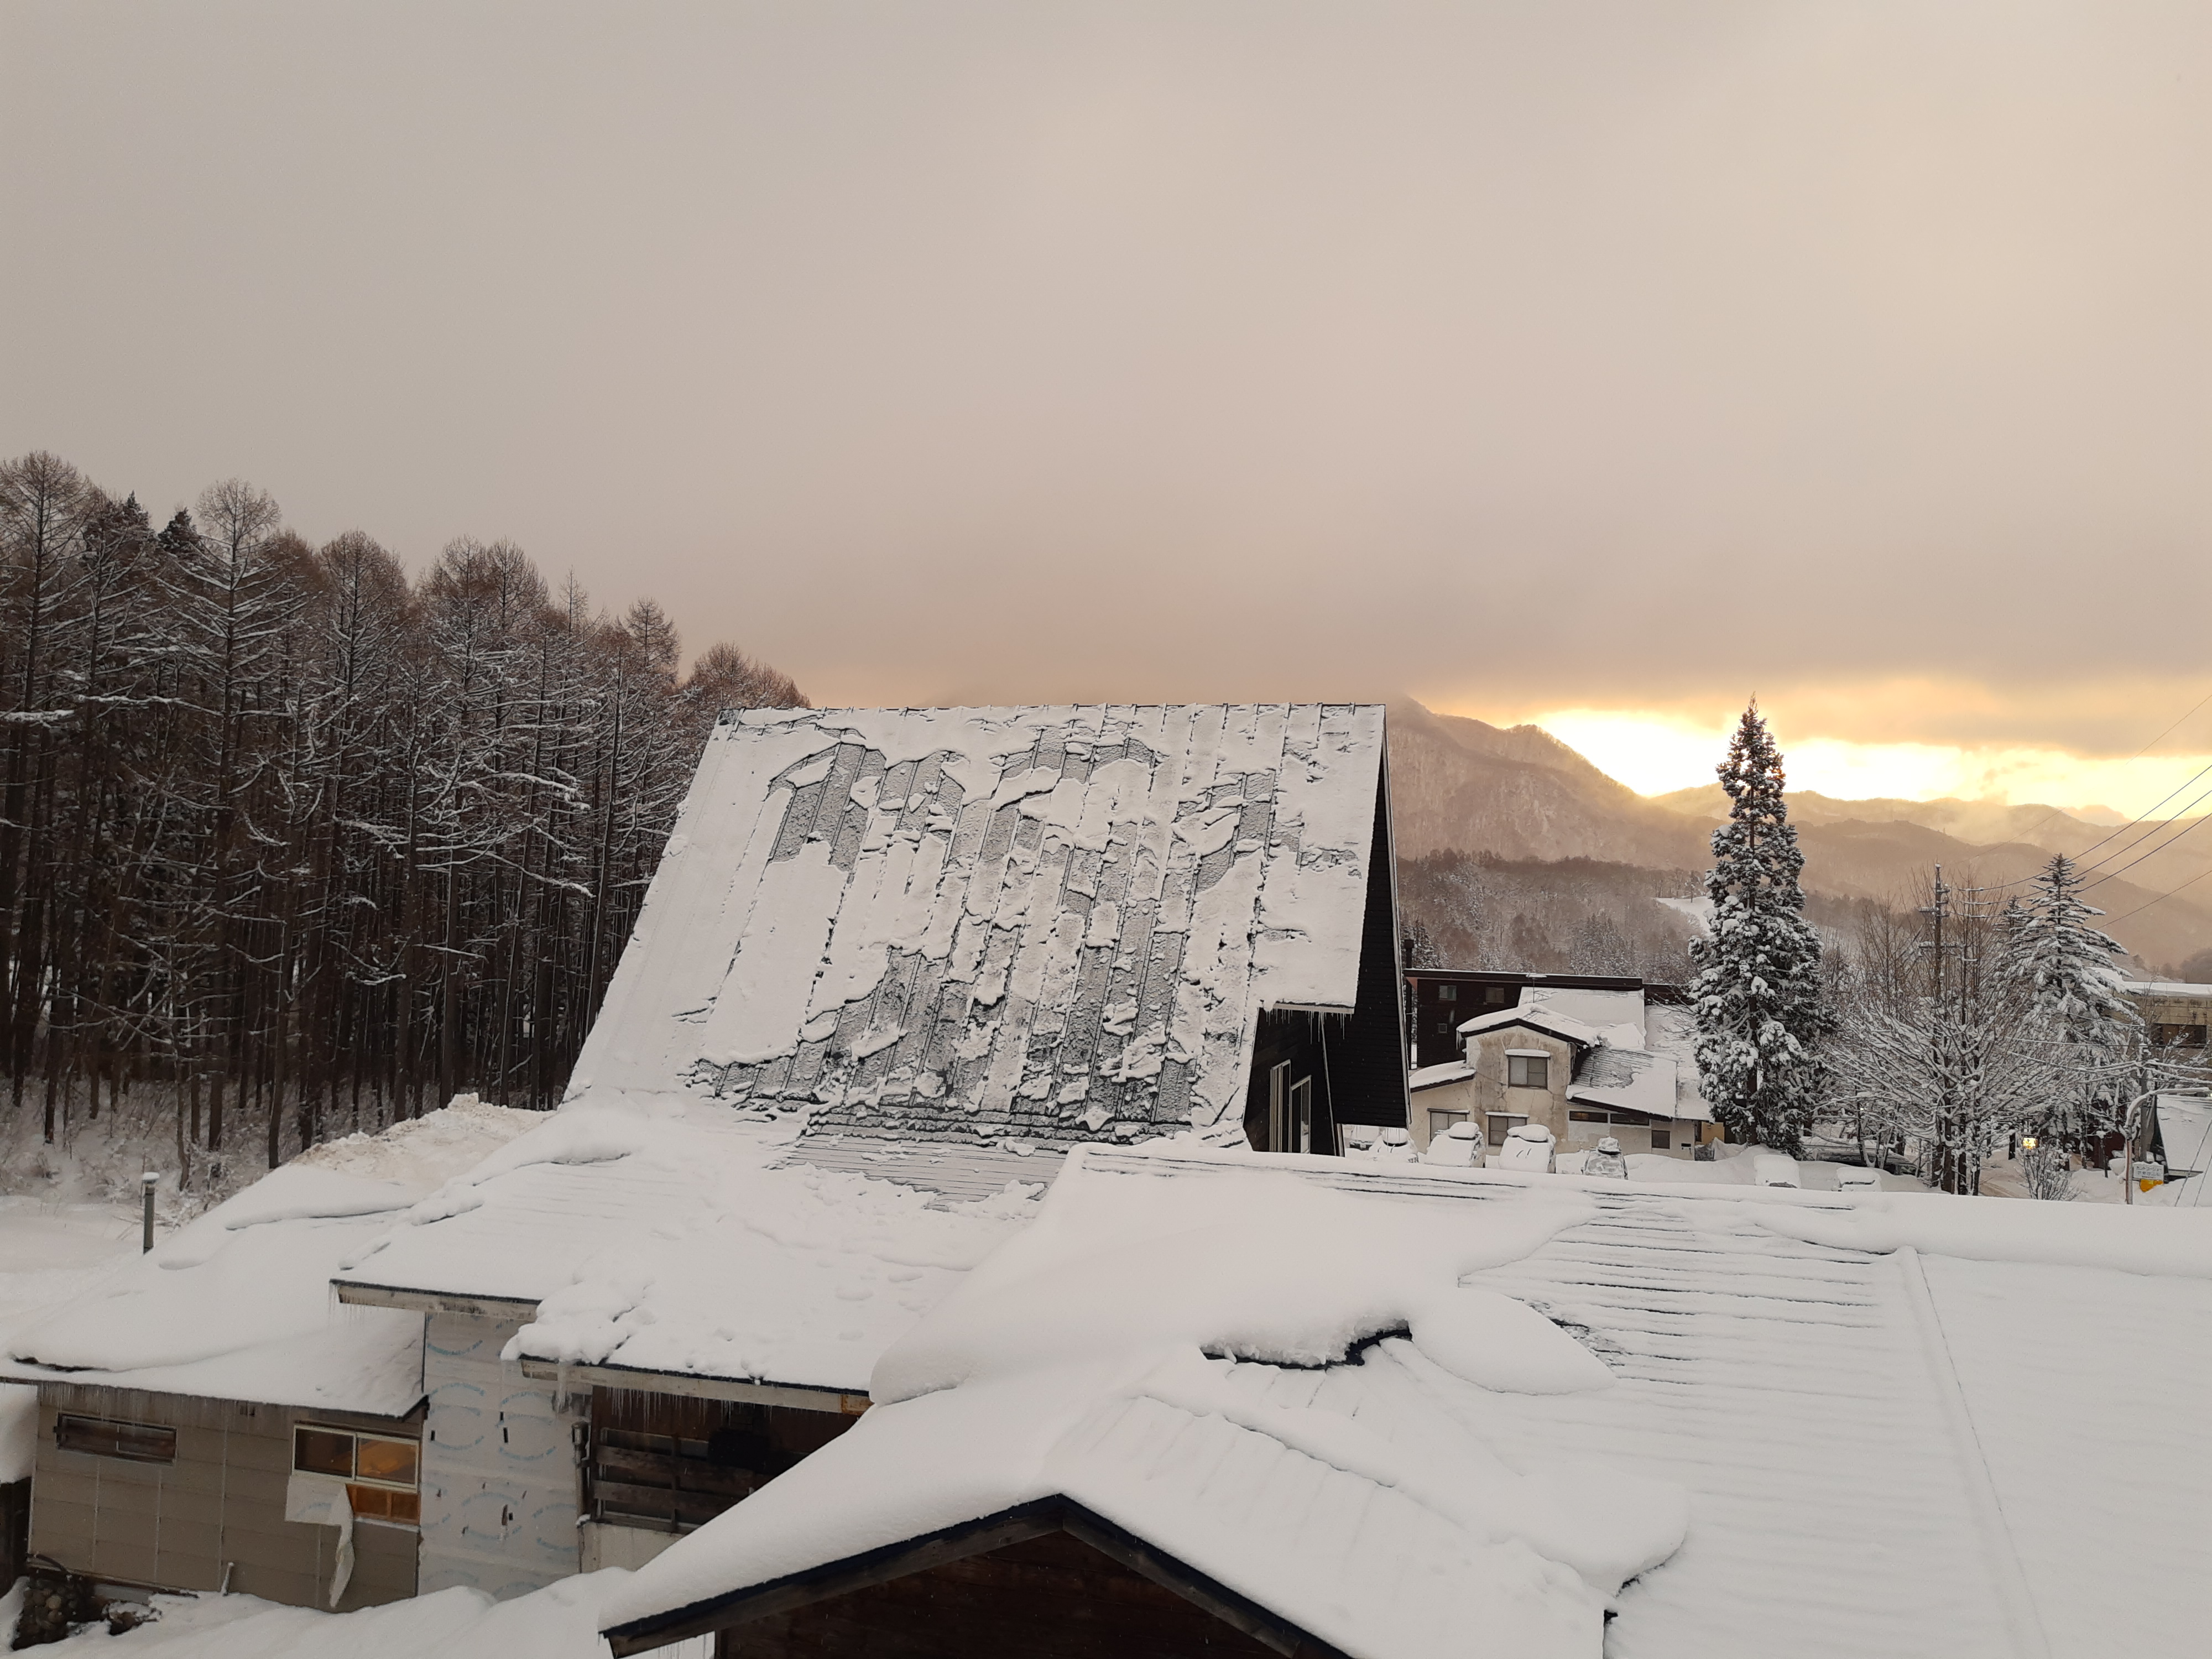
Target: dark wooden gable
pixel 1050 1580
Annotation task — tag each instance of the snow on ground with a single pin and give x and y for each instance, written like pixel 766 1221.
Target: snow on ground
pixel 558 1622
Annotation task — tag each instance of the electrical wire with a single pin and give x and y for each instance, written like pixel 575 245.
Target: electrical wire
pixel 2162 897
pixel 2162 846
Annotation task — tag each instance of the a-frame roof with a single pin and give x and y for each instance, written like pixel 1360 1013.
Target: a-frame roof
pixel 1052 924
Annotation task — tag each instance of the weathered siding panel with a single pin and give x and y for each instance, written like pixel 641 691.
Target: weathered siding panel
pixel 176 1525
pixel 500 1479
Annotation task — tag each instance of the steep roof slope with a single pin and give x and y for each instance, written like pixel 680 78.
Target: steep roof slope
pixel 1053 923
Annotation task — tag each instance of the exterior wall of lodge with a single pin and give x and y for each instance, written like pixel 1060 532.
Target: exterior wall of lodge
pixel 217 1506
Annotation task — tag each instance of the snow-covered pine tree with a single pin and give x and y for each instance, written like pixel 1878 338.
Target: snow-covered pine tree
pixel 2070 972
pixel 1760 1014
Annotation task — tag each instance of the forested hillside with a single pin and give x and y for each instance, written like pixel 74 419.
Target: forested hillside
pixel 291 842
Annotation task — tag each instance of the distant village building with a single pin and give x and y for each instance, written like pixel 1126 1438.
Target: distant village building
pixel 2175 1014
pixel 1587 1057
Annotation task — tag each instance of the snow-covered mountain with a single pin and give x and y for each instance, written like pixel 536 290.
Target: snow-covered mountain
pixel 1519 792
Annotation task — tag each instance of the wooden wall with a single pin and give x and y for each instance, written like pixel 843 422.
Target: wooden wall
pixel 174 1526
pixel 1052 1597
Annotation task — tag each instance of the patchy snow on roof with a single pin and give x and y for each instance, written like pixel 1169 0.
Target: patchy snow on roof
pixel 1630 1078
pixel 673 1236
pixel 1616 1016
pixel 1053 923
pixel 1378 1413
pixel 237 1305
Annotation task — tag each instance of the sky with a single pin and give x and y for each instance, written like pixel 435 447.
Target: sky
pixel 1602 362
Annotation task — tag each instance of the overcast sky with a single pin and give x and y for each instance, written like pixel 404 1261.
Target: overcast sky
pixel 1619 357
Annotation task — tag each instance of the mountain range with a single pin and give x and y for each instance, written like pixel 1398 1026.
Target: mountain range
pixel 1518 793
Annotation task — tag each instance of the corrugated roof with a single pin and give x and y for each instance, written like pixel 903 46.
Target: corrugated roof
pixel 1862 1429
pixel 1047 924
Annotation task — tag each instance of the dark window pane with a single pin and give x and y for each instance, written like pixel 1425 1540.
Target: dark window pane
pixel 323 1451
pixel 134 1443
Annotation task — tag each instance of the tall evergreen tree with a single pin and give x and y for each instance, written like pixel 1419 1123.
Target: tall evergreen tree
pixel 2069 971
pixel 1760 1017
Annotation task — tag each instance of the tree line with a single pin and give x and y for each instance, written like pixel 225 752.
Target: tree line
pixel 1984 1020
pixel 291 844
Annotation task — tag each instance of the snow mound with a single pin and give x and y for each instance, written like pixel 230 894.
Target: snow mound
pixel 1274 1375
pixel 557 1622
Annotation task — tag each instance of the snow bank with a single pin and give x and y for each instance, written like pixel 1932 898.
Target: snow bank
pixel 238 1304
pixel 2140 1239
pixel 667 1234
pixel 1215 1309
pixel 1110 1269
pixel 558 1622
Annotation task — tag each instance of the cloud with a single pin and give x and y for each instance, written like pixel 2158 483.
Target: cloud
pixel 1522 357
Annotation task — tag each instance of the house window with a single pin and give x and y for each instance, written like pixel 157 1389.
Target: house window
pixel 668 1463
pixel 1446 993
pixel 1589 1117
pixel 382 1471
pixel 1497 996
pixel 1503 1124
pixel 1302 1116
pixel 1661 1141
pixel 1440 1122
pixel 134 1443
pixel 1528 1072
pixel 2177 1036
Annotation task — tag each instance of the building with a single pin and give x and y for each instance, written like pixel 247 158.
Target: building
pixel 1043 926
pixel 893 966
pixel 2175 1014
pixel 1586 1057
pixel 1499 1414
pixel 208 1421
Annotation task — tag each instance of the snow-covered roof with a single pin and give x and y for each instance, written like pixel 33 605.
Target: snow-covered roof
pixel 1055 924
pixel 1616 1016
pixel 670 1237
pixel 237 1305
pixel 1434 1077
pixel 1630 1078
pixel 2165 988
pixel 1425 1411
pixel 1564 1027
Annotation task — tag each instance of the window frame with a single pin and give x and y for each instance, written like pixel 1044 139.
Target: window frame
pixel 361 1489
pixel 64 1422
pixel 1496 1136
pixel 1535 1070
pixel 1450 1116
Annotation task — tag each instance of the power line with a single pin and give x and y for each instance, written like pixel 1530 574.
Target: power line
pixel 2057 812
pixel 2131 824
pixel 2167 894
pixel 2148 851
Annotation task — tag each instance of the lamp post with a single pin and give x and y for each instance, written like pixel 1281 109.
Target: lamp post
pixel 146 1183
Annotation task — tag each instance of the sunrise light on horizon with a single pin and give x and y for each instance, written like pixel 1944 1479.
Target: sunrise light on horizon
pixel 1655 753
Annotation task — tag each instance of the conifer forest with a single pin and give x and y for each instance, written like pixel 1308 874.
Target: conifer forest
pixel 292 843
